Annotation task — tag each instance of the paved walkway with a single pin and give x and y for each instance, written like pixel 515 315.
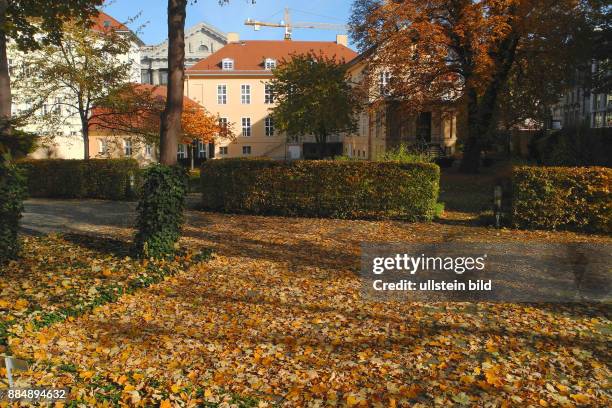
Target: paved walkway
pixel 43 216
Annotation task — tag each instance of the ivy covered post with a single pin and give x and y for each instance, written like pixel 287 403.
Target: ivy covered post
pixel 160 211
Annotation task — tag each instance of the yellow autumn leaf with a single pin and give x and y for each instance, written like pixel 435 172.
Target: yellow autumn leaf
pixel 21 304
pixel 86 375
pixel 175 388
pixel 165 404
pixel 4 304
pixel 208 393
pixel 543 403
pixel 352 401
pixel 580 398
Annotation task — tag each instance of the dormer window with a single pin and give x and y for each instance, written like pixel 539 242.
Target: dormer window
pixel 107 23
pixel 270 64
pixel 227 64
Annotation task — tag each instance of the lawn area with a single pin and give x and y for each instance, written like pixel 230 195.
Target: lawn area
pixel 276 318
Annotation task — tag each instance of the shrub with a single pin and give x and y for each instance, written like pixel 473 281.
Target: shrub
pixel 160 211
pixel 406 154
pixel 336 189
pixel 562 197
pixel 12 194
pixel 114 179
pixel 573 146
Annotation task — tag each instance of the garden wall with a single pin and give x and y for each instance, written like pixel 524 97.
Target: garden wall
pixel 332 189
pixel 113 179
pixel 577 198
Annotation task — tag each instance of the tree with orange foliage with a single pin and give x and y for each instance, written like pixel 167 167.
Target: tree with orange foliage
pixel 470 51
pixel 136 111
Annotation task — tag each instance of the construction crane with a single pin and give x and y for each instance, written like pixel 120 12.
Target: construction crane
pixel 288 26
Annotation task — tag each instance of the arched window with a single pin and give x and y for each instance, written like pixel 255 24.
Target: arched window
pixel 203 48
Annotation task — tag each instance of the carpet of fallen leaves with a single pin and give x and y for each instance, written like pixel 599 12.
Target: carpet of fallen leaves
pixel 277 316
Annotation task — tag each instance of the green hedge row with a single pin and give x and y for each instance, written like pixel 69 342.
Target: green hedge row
pixel 332 189
pixel 577 198
pixel 114 179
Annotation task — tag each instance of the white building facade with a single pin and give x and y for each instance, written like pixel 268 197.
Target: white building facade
pixel 201 41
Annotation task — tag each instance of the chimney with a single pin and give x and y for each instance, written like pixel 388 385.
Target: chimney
pixel 233 37
pixel 342 39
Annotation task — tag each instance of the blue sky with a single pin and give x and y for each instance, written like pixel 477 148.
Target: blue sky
pixel 230 18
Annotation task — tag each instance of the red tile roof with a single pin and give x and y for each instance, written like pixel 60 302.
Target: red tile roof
pixel 104 22
pixel 249 56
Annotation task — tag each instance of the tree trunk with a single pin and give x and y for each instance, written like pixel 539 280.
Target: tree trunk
pixel 321 144
pixel 470 162
pixel 481 111
pixel 171 117
pixel 85 131
pixel 5 82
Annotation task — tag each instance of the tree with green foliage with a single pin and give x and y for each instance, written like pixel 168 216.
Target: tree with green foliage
pixel 74 75
pixel 31 24
pixel 314 97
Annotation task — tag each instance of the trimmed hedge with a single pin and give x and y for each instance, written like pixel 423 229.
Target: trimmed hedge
pixel 160 211
pixel 12 194
pixel 113 179
pixel 577 198
pixel 331 189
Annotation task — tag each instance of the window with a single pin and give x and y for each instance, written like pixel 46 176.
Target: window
pixel 599 119
pixel 145 76
pixel 107 23
pixel 227 64
pixel 57 106
pixel 246 150
pixel 270 64
pixel 223 151
pixel 223 125
pixel 182 151
pixel 245 94
pixel 246 127
pixel 203 48
pixel 269 94
pixel 163 77
pixel 11 67
pixel 384 80
pixel 127 147
pixel 201 149
pixel 269 126
pixel 102 146
pixel 222 94
pixel 148 150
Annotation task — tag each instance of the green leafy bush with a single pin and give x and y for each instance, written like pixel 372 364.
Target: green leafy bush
pixel 334 189
pixel 406 154
pixel 114 179
pixel 12 194
pixel 562 197
pixel 160 211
